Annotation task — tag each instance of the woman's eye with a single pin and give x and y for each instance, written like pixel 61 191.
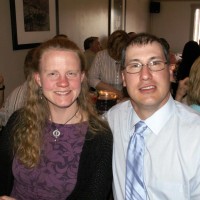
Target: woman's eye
pixel 72 74
pixel 52 74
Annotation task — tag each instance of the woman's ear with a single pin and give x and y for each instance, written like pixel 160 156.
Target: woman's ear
pixel 82 76
pixel 37 79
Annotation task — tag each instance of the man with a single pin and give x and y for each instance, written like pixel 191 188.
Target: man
pixel 91 46
pixel 171 161
pixel 105 71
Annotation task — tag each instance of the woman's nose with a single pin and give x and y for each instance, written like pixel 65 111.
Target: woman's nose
pixel 63 81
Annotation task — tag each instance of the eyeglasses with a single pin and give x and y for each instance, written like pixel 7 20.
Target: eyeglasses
pixel 154 66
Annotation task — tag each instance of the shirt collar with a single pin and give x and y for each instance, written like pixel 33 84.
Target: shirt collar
pixel 159 118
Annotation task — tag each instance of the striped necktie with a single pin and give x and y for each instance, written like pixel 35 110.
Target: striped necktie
pixel 135 188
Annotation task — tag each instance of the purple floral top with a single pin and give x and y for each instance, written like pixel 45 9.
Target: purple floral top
pixel 56 175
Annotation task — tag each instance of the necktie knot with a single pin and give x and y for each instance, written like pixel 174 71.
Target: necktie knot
pixel 140 127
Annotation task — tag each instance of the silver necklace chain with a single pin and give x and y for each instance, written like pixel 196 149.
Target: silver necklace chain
pixel 56 133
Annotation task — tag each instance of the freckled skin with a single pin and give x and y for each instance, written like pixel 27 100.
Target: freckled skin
pixel 60 91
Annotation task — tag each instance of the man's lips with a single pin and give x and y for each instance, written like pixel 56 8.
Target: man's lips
pixel 145 88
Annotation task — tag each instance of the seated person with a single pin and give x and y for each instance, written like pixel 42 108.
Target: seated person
pixel 91 47
pixel 17 98
pixel 105 73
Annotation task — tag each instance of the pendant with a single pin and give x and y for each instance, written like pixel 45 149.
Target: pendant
pixel 56 134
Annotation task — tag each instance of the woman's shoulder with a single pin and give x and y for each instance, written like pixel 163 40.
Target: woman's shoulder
pixel 100 136
pixel 14 117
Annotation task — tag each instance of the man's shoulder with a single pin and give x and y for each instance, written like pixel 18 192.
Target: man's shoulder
pixel 120 109
pixel 187 115
pixel 19 89
pixel 103 52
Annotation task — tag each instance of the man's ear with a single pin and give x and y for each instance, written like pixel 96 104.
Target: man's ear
pixel 171 71
pixel 37 79
pixel 123 80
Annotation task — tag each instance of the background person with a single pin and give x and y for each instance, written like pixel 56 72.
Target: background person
pixel 131 34
pixel 105 72
pixel 91 47
pixel 170 162
pixel 181 93
pixel 191 51
pixel 173 65
pixel 2 87
pixel 62 148
pixel 189 89
pixel 17 98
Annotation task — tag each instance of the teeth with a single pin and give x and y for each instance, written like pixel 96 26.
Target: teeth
pixel 147 88
pixel 62 93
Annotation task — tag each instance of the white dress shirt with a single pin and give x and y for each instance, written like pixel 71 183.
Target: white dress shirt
pixel 105 69
pixel 172 155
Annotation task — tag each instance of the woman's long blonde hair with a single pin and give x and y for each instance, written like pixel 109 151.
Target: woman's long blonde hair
pixel 193 92
pixel 31 122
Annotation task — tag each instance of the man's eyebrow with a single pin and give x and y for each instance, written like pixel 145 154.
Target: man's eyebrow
pixel 134 59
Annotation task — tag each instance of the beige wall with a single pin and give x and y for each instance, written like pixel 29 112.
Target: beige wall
pixel 81 19
pixel 137 15
pixel 173 23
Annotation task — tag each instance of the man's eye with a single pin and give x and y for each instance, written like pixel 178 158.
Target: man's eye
pixel 154 63
pixel 135 65
pixel 52 74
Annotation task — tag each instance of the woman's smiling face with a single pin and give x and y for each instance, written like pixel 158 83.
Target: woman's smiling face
pixel 60 77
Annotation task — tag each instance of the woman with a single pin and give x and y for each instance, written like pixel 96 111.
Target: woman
pixel 188 90
pixel 62 149
pixel 183 68
pixel 193 92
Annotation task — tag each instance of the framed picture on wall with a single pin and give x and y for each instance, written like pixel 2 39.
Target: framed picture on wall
pixel 33 22
pixel 117 15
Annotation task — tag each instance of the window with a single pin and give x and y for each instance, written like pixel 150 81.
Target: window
pixel 196 31
pixel 196 23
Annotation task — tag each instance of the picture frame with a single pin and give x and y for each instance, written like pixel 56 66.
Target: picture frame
pixel 117 15
pixel 33 22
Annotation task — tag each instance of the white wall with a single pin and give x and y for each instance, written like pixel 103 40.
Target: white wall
pixel 173 23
